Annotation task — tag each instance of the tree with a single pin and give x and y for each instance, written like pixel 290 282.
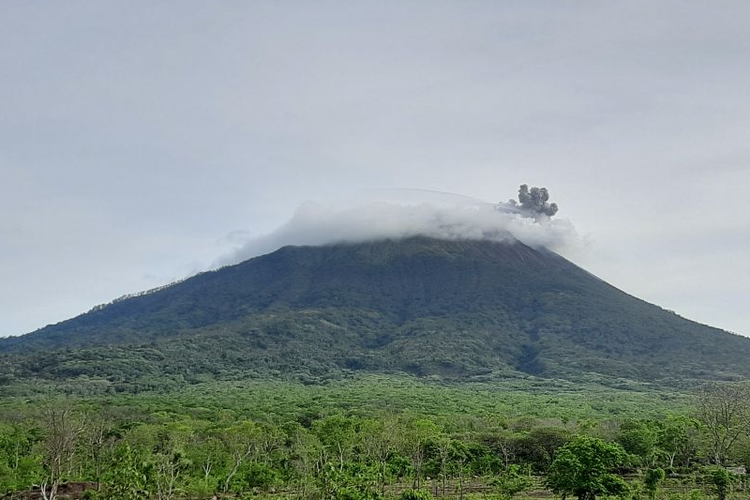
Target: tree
pixel 639 438
pixel 205 451
pixel 503 443
pixel 306 450
pixel 584 468
pixel 459 456
pixel 721 479
pixel 652 479
pixel 512 481
pixel 416 433
pixel 442 445
pixel 19 467
pixel 539 445
pixel 676 439
pixel 63 429
pixel 242 443
pixel 377 439
pixel 169 464
pixel 724 409
pixel 128 476
pixel 337 433
pixel 98 441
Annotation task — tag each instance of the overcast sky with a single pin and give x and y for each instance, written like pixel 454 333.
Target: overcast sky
pixel 141 141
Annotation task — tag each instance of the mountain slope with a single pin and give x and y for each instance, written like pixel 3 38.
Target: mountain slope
pixel 450 308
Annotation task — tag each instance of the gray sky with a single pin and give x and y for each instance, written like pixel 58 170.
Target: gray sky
pixel 141 141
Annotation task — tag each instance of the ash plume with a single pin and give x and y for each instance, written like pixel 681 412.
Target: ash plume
pixel 534 201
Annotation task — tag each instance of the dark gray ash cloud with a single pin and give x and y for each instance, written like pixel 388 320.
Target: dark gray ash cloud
pixel 536 201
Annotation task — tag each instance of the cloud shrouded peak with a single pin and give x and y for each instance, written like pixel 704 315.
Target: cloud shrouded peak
pixel 395 214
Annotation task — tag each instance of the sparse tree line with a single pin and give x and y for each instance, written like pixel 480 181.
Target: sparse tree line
pixel 141 455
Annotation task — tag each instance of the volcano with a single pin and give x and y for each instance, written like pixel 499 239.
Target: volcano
pixel 429 307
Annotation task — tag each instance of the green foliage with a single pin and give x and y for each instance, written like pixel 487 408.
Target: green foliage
pixel 724 409
pixel 695 495
pixel 639 438
pixel 351 482
pixel 721 480
pixel 415 495
pixel 584 468
pixel 652 479
pixel 158 448
pixel 20 464
pixel 456 310
pixel 512 481
pixel 539 446
pixel 258 475
pixel 676 439
pixel 356 494
pixel 129 476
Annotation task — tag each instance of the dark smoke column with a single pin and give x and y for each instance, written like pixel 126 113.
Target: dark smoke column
pixel 534 201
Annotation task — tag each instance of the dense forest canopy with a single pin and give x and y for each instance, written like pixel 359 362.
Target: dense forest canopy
pixel 157 448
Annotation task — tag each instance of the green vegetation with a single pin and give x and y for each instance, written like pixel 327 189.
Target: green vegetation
pixel 370 394
pixel 583 467
pixel 457 310
pixel 400 369
pixel 344 441
pixel 652 479
pixel 721 479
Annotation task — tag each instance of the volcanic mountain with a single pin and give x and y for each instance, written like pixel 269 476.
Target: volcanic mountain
pixel 429 307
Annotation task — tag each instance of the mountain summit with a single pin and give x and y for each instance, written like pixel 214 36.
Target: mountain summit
pixel 457 309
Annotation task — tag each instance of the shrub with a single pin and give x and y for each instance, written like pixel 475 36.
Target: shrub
pixel 415 495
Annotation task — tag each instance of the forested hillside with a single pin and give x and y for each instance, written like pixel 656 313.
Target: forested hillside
pixel 462 310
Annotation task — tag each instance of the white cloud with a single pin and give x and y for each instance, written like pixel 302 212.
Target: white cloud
pixel 403 213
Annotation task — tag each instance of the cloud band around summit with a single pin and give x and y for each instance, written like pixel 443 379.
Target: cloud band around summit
pixel 404 213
